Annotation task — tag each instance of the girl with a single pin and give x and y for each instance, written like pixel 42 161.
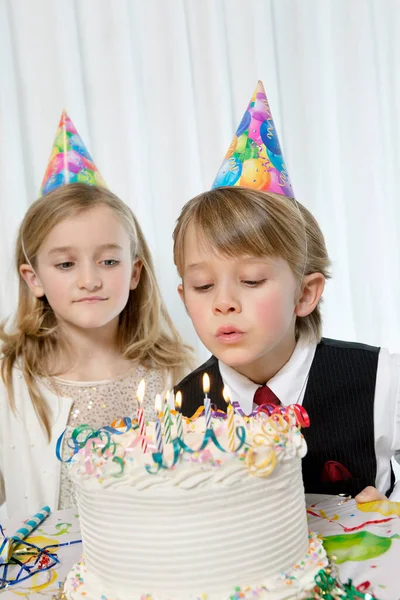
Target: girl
pixel 90 325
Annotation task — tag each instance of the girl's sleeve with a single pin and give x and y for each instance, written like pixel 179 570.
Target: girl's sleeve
pixel 2 486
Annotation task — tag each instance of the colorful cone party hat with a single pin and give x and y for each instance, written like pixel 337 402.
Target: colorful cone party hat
pixel 254 158
pixel 70 162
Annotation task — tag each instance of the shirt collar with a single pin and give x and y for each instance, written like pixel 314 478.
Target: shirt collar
pixel 288 384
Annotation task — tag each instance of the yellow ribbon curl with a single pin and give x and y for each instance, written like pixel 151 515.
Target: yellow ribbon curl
pixel 264 467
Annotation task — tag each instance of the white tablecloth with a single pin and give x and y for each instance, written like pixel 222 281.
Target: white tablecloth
pixel 364 538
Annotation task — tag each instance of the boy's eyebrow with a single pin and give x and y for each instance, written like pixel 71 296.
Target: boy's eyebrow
pixel 197 265
pixel 101 247
pixel 245 259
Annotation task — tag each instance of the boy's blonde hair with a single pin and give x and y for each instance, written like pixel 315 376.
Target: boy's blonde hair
pixel 146 332
pixel 237 221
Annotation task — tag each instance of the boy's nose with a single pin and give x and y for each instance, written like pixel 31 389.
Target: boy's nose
pixel 225 305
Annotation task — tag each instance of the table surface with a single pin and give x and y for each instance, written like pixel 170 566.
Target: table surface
pixel 365 539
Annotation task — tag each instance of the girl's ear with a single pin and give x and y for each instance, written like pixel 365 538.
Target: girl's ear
pixel 135 277
pixel 32 280
pixel 311 291
pixel 180 292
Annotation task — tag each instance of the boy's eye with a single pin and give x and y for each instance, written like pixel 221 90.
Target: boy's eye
pixel 65 265
pixel 110 262
pixel 254 283
pixel 202 288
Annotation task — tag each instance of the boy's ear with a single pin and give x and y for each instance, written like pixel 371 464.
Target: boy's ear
pixel 135 277
pixel 32 280
pixel 311 291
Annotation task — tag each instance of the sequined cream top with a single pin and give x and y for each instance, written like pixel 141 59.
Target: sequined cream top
pixel 98 403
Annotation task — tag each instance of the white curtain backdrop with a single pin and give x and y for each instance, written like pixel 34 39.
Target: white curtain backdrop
pixel 156 89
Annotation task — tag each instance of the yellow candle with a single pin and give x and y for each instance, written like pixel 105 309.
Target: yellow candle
pixel 231 420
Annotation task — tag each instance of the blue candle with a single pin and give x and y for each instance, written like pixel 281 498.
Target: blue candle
pixel 159 442
pixel 207 402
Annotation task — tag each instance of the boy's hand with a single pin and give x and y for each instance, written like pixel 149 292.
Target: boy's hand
pixel 369 494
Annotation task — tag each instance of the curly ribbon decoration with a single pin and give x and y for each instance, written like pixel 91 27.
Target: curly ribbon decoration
pixel 264 468
pixel 297 411
pixel 238 409
pixel 43 560
pixel 216 412
pixel 281 418
pixel 331 588
pixel 75 444
pixel 302 418
pixel 178 444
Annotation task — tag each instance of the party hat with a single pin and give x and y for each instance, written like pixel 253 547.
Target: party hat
pixel 69 162
pixel 254 158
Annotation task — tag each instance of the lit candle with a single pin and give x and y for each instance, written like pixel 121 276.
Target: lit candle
pixel 158 407
pixel 207 402
pixel 231 420
pixel 140 414
pixel 167 423
pixel 179 424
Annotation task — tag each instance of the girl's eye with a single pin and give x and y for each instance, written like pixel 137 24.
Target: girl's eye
pixel 202 288
pixel 64 266
pixel 110 262
pixel 254 283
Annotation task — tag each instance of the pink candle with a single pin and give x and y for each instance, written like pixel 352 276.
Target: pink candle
pixel 140 414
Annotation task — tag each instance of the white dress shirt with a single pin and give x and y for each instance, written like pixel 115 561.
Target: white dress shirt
pixel 290 383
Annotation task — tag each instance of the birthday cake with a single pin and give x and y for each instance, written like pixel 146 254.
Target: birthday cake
pixel 217 513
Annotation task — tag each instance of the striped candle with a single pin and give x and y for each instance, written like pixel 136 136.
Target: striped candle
pixel 207 401
pixel 140 414
pixel 231 420
pixel 167 423
pixel 159 436
pixel 179 423
pixel 158 432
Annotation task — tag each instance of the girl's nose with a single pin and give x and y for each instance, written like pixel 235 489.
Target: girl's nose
pixel 89 279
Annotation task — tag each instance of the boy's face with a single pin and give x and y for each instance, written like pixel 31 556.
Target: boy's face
pixel 243 308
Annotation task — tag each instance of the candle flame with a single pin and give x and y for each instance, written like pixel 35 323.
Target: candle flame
pixel 140 391
pixel 178 400
pixel 227 395
pixel 158 404
pixel 206 383
pixel 167 395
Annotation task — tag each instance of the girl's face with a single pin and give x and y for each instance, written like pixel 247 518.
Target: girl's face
pixel 85 269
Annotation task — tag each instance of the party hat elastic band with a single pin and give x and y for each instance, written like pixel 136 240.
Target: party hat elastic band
pixel 70 161
pixel 254 158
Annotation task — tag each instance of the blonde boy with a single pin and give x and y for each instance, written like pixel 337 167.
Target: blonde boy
pixel 253 268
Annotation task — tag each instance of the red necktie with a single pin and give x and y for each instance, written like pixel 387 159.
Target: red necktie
pixel 264 395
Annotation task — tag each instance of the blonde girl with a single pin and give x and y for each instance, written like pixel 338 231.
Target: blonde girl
pixel 90 324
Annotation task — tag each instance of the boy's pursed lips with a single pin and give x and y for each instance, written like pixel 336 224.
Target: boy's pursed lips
pixel 229 334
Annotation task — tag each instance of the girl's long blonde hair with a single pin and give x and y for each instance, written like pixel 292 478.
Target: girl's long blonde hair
pixel 146 331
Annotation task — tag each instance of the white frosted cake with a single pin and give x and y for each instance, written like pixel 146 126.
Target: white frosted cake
pixel 216 525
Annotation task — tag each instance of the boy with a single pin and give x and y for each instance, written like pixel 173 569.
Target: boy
pixel 253 268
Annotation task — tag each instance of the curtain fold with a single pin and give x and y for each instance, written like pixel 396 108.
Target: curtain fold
pixel 156 89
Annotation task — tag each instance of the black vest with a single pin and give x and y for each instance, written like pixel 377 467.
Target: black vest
pixel 339 399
